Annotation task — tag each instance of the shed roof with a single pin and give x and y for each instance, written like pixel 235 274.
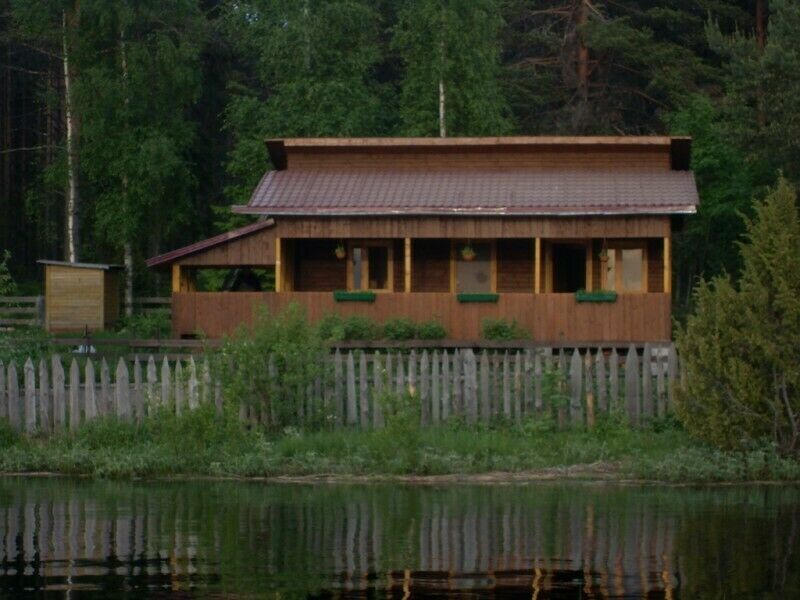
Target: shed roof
pixel 513 192
pixel 223 238
pixel 79 265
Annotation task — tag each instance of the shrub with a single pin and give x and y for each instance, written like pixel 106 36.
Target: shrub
pixel 335 328
pixel 155 324
pixel 399 328
pixel 7 284
pixel 299 358
pixel 431 330
pixel 742 376
pixel 499 330
pixel 20 344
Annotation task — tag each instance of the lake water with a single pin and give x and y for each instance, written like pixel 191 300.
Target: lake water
pixel 76 539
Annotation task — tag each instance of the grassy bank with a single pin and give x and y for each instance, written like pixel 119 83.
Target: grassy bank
pixel 199 444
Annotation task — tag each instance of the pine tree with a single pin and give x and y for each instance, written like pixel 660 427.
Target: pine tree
pixel 450 51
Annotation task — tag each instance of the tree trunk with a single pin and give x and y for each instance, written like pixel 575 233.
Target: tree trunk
pixel 72 195
pixel 761 24
pixel 127 246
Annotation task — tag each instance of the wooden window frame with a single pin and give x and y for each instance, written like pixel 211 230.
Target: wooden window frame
pixel 389 245
pixel 455 243
pixel 617 246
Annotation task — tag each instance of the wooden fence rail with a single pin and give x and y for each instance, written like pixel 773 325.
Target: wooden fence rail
pixel 21 310
pixel 573 388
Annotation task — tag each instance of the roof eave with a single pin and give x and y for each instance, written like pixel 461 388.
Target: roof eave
pixel 465 212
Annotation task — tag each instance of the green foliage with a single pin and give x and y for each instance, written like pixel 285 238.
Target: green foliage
pixel 272 363
pixel 399 328
pixel 149 325
pixel 455 44
pixel 502 330
pixel 742 376
pixel 401 413
pixel 8 286
pixel 21 343
pixel 335 328
pixel 431 330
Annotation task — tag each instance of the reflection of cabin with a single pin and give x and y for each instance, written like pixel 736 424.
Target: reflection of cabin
pixel 80 296
pixel 569 236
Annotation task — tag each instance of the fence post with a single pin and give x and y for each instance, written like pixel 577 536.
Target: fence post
pixel 364 390
pixel 436 388
pixel 166 383
pixel 178 388
pixel 600 377
pixel 45 406
pixel 486 400
pixel 138 392
pixel 12 383
pixel 105 388
pixel 378 374
pixel 193 391
pixel 632 386
pixel 75 395
pixel 458 382
pixel 527 384
pixel 470 386
pixel 151 400
pixel 538 401
pixel 59 394
pixel 338 388
pixel 90 398
pixel 672 376
pixel 352 417
pixel 589 389
pixel 40 308
pixel 446 398
pixel 613 381
pixel 3 397
pixel 205 393
pixel 30 396
pixel 122 389
pixel 647 381
pixel 661 390
pixel 562 384
pixel 506 387
pixel 576 387
pixel 424 389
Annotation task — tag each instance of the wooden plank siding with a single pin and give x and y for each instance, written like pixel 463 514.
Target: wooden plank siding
pixel 515 265
pixel 254 250
pixel 548 317
pixel 316 268
pixel 642 226
pixel 543 157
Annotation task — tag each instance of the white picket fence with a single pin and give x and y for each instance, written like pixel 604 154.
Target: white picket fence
pixel 573 387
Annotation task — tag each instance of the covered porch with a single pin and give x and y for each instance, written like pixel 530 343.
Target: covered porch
pixel 539 282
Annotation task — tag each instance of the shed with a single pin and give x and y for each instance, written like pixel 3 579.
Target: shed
pixel 80 296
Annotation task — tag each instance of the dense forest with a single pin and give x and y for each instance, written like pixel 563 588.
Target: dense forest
pixel 127 127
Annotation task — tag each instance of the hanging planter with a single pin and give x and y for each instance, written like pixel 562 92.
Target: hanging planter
pixel 340 251
pixel 468 253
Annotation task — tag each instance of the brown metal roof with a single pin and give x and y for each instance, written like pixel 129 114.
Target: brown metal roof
pixel 228 236
pixel 459 192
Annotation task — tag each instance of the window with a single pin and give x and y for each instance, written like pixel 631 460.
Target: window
pixel 569 268
pixel 370 266
pixel 625 270
pixel 473 275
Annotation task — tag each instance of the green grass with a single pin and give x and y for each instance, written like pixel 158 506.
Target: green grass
pixel 200 444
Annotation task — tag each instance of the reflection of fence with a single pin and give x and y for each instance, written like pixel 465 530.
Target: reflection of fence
pixel 573 388
pixel 21 310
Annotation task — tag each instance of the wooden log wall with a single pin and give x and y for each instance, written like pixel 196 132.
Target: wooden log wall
pixel 574 388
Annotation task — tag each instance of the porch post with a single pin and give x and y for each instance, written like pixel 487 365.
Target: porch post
pixel 667 267
pixel 278 266
pixel 407 265
pixel 537 265
pixel 176 278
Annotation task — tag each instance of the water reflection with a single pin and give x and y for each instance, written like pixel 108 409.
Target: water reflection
pixel 252 539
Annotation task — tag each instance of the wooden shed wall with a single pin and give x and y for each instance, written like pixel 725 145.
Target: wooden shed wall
pixel 74 298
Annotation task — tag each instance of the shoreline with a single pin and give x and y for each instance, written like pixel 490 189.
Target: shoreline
pixel 589 474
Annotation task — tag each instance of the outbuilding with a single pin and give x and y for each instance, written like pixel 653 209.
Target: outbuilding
pixel 80 296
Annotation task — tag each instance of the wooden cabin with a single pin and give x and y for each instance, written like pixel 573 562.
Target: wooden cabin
pixel 569 236
pixel 80 296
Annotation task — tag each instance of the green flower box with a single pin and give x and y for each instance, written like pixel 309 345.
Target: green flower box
pixel 598 296
pixel 347 296
pixel 482 297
